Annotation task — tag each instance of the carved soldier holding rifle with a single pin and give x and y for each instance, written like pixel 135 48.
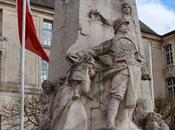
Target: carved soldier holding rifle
pixel 123 64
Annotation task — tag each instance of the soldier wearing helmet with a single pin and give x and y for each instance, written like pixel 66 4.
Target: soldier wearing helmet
pixel 119 22
pixel 120 56
pixel 46 103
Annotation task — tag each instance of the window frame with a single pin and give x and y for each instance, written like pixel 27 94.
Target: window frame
pixel 44 70
pixel 168 54
pixel 46 31
pixel 170 84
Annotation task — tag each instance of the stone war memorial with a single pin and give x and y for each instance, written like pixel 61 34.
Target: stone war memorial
pixel 98 77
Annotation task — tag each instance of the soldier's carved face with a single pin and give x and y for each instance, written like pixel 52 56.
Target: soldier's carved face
pixel 47 89
pixel 126 8
pixel 159 117
pixel 152 116
pixel 123 28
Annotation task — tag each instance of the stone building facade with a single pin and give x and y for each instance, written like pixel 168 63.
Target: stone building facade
pixel 159 50
pixel 36 69
pixel 10 47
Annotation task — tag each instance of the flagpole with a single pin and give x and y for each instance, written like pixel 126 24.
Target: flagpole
pixel 23 66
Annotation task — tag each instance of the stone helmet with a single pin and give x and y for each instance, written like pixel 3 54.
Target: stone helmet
pixel 117 23
pixel 45 83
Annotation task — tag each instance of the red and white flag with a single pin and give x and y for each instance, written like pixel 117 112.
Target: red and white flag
pixel 32 42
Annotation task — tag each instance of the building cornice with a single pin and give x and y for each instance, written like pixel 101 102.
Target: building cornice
pixel 167 37
pixel 151 36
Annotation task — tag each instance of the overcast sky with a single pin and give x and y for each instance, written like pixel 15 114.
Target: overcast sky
pixel 157 14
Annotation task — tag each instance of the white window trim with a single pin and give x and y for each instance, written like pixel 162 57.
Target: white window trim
pixel 49 21
pixel 172 86
pixel 164 55
pixel 41 70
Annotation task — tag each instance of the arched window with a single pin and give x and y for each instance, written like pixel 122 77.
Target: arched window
pixel 171 85
pixel 168 51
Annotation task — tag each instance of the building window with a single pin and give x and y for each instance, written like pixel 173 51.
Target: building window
pixel 47 32
pixel 44 70
pixel 171 86
pixel 168 54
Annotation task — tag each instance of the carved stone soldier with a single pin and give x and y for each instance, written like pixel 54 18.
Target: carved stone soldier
pixel 127 13
pixel 76 84
pixel 46 104
pixel 82 69
pixel 123 63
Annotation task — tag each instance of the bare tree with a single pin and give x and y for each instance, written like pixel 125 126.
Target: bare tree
pixel 166 107
pixel 11 113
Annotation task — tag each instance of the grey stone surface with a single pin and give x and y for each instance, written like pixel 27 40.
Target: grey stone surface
pixel 78 29
pixel 76 117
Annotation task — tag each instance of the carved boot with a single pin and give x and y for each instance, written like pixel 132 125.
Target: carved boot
pixel 112 113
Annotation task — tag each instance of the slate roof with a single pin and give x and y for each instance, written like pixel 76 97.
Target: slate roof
pixel 144 28
pixel 169 33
